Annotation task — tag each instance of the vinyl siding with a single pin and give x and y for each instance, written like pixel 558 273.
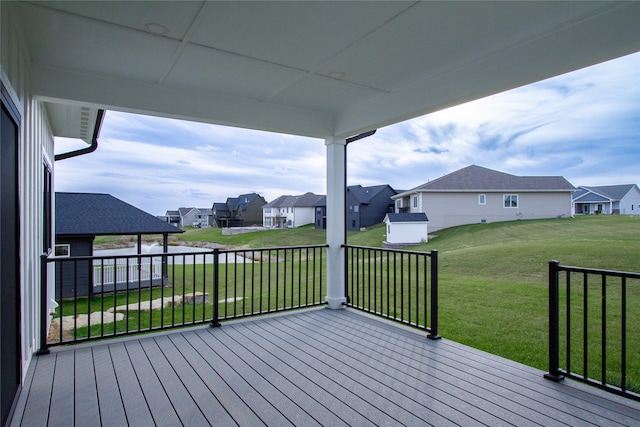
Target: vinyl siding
pixel 35 149
pixel 632 198
pixel 452 209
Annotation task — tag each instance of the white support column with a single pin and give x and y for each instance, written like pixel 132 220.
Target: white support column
pixel 335 222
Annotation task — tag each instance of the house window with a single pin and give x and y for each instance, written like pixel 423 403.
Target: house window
pixel 482 199
pixel 356 209
pixel 415 201
pixel 398 205
pixel 62 250
pixel 510 200
pixel 388 228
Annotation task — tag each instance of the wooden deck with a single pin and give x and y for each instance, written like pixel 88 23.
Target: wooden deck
pixel 314 367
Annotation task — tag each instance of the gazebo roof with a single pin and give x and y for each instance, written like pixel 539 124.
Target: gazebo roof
pixel 94 214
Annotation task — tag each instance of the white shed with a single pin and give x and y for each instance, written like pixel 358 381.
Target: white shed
pixel 406 228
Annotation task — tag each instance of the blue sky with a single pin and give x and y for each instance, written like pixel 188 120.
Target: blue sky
pixel 584 126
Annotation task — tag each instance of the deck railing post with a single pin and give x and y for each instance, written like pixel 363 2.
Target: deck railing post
pixel 346 275
pixel 44 307
pixel 433 329
pixel 216 276
pixel 554 324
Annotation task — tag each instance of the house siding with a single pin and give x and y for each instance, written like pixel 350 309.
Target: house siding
pixel 189 218
pixel 630 203
pixel 302 216
pixel 252 215
pixel 407 232
pixel 452 209
pixel 75 277
pixel 35 150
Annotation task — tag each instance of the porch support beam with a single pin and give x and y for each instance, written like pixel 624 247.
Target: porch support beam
pixel 335 222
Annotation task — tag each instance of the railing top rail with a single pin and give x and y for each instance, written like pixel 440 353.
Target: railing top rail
pixel 598 271
pixel 273 248
pixel 390 250
pixel 178 254
pixel 111 257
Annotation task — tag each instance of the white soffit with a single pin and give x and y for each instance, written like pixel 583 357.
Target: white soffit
pixel 309 68
pixel 72 121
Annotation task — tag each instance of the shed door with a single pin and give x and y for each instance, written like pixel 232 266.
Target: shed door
pixel 9 261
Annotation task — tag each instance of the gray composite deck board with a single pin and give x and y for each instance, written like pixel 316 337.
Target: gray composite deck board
pixel 313 367
pixel 468 393
pixel 36 410
pixel 414 391
pixel 86 406
pixel 109 399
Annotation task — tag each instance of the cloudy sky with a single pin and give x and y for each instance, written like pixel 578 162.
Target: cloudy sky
pixel 583 125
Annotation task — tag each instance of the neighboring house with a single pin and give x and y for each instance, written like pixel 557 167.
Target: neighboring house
pixel 406 228
pixel 609 199
pixel 477 195
pixel 194 217
pixel 291 211
pixel 204 218
pixel 366 206
pixel 244 210
pixel 187 216
pixel 221 214
pixel 80 217
pixel 173 217
pixel 321 213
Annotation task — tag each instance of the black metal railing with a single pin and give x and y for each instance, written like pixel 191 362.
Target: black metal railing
pixel 106 296
pixel 594 328
pixel 398 285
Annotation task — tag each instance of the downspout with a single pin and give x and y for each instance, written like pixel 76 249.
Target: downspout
pixel 346 207
pixel 94 141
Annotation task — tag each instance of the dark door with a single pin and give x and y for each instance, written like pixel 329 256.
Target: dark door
pixel 9 260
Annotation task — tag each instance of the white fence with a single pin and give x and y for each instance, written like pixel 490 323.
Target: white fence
pixel 126 270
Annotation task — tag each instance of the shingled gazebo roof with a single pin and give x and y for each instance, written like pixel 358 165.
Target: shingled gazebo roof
pixel 82 214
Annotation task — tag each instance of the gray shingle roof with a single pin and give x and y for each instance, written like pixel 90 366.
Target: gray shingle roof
pixel 364 195
pixel 102 214
pixel 407 217
pixel 305 200
pixel 477 178
pixel 184 211
pixel 611 192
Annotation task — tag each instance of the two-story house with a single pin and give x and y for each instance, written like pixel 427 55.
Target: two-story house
pixel 244 210
pixel 290 211
pixel 366 206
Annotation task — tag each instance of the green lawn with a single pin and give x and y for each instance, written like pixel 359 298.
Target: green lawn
pixel 493 278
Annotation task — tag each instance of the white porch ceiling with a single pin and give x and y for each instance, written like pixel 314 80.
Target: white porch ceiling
pixel 308 68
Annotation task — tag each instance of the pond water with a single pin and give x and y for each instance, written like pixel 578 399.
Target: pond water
pixel 189 254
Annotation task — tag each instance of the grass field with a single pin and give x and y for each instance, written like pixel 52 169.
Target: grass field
pixel 493 277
